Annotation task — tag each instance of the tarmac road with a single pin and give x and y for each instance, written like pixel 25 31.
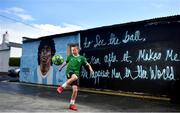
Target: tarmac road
pixel 22 97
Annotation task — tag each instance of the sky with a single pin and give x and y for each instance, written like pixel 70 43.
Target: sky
pixel 35 18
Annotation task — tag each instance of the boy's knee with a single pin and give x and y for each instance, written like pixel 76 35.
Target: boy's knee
pixel 75 76
pixel 75 89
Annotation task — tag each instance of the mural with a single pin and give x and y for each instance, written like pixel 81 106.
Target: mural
pixel 36 64
pixel 45 73
pixel 141 57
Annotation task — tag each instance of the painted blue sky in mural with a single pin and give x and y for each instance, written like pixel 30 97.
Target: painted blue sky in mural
pixel 34 18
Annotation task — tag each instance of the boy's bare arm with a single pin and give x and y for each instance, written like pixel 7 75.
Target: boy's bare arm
pixel 90 68
pixel 63 65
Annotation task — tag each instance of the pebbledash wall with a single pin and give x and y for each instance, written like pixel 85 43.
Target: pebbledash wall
pixel 139 56
pixel 29 61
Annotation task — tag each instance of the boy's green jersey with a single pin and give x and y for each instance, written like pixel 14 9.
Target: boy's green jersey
pixel 74 64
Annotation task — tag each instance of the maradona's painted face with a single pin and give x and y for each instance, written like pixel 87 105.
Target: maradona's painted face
pixel 45 55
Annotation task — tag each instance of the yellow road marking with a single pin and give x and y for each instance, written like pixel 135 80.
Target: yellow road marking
pixel 125 94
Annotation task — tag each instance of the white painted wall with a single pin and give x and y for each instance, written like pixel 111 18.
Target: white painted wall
pixel 6 51
pixel 4 60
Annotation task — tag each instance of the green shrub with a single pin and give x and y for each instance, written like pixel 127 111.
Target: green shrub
pixel 14 61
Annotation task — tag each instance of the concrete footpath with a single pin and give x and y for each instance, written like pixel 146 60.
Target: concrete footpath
pixel 22 97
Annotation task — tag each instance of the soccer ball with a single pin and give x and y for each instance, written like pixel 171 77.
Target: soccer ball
pixel 57 59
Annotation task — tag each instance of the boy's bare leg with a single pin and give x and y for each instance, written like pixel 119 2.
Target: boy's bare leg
pixel 67 83
pixel 74 93
pixel 73 98
pixel 72 79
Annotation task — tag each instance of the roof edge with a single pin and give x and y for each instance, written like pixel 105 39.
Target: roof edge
pixel 28 39
pixel 167 18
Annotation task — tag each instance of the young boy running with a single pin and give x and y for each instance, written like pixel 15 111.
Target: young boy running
pixel 74 63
